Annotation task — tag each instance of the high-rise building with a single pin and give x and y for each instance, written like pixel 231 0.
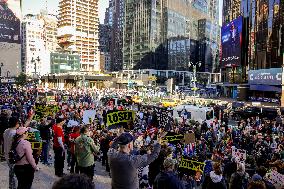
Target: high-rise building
pixel 35 55
pixel 164 34
pixel 114 18
pixel 105 42
pixel 262 44
pixel 78 28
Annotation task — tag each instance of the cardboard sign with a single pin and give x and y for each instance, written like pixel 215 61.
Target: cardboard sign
pixel 115 118
pixel 191 165
pixel 89 116
pixel 42 110
pixel 189 138
pixel 238 154
pixel 72 123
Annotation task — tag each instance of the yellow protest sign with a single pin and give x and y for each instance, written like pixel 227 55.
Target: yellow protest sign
pixel 192 165
pixel 120 117
pixel 174 138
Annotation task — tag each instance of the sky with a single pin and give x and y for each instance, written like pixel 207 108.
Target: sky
pixel 52 7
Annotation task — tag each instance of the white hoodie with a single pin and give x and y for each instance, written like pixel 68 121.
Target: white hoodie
pixel 215 178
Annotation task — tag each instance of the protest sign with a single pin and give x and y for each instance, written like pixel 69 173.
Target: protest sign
pixel 89 116
pixel 276 179
pixel 42 110
pixel 174 139
pixel 118 117
pixel 189 138
pixel 238 154
pixel 164 116
pixel 72 123
pixel 186 164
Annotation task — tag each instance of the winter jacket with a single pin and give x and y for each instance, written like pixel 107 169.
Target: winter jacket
pixel 167 180
pixel 239 180
pixel 213 181
pixel 124 167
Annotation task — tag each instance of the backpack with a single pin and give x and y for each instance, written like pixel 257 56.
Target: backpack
pixel 13 154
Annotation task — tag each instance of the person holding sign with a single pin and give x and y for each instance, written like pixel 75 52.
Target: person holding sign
pixel 122 161
pixel 168 179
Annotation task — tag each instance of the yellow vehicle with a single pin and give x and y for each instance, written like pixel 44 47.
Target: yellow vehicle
pixel 169 103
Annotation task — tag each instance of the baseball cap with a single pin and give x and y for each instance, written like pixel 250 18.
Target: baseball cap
pixel 256 177
pixel 169 162
pixel 22 130
pixel 125 138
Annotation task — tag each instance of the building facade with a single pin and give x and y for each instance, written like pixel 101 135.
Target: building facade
pixel 164 34
pixel 64 63
pixel 35 56
pixel 262 47
pixel 78 28
pixel 10 41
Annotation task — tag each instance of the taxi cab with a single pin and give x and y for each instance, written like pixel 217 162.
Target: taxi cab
pixel 169 102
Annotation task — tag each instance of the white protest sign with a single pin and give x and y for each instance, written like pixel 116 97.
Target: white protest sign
pixel 89 116
pixel 276 179
pixel 72 123
pixel 239 154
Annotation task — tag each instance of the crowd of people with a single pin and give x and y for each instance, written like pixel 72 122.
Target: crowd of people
pixel 137 154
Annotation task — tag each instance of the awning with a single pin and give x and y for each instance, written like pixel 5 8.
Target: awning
pixel 265 88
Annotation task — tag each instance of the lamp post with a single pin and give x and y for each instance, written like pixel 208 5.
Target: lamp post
pixel 1 65
pixel 8 73
pixel 194 66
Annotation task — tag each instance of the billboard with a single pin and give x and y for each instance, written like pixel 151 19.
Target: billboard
pixel 10 21
pixel 231 40
pixel 271 76
pixel 10 40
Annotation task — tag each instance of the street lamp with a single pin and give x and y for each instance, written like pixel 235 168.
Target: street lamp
pixel 8 73
pixel 194 66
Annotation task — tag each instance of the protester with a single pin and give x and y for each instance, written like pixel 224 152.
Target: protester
pixel 240 178
pixel 25 166
pixel 58 147
pixel 72 137
pixel 214 179
pixel 122 161
pixel 85 149
pixel 74 181
pixel 167 179
pixel 45 134
pixel 13 124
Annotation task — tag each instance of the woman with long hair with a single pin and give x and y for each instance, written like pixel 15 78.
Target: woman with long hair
pixel 26 166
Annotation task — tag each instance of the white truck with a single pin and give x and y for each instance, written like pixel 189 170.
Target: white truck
pixel 191 112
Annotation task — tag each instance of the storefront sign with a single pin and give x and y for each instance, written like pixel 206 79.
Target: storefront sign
pixel 271 76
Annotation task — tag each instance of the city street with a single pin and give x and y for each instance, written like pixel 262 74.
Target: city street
pixel 45 178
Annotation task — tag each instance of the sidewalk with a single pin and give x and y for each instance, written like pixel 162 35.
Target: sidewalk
pixel 45 178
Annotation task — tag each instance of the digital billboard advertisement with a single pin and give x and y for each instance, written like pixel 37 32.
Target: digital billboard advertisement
pixel 231 41
pixel 10 37
pixel 10 21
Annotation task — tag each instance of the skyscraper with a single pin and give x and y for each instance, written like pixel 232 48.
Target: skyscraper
pixel 163 34
pixel 78 31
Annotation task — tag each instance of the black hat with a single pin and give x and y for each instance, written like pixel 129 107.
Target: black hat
pixel 125 138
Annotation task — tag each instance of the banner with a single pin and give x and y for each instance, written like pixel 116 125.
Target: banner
pixel 271 76
pixel 42 110
pixel 174 139
pixel 191 165
pixel 118 117
pixel 276 179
